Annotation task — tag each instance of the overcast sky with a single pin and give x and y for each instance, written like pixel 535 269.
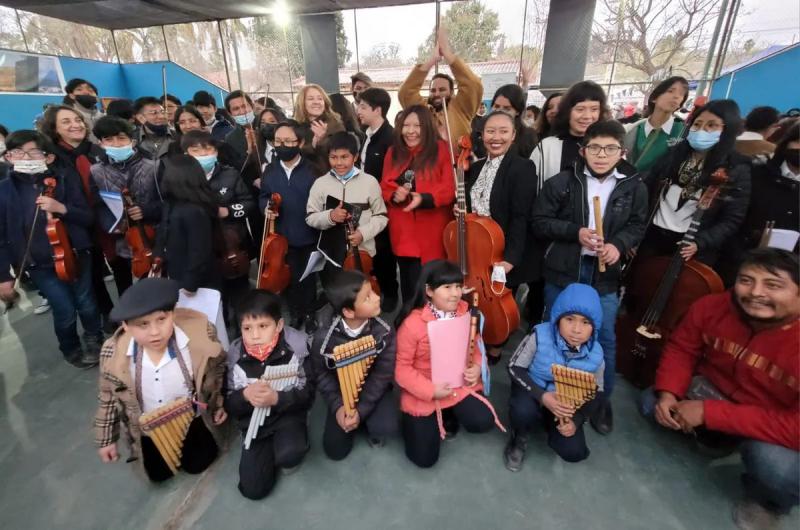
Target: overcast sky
pixel 767 22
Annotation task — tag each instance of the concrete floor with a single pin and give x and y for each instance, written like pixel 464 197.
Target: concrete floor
pixel 639 477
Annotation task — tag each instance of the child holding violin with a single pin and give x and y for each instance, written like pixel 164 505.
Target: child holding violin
pixel 433 412
pixel 358 189
pixel 31 198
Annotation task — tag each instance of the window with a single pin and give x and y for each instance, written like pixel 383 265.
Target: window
pixel 141 45
pixel 60 37
pixel 29 73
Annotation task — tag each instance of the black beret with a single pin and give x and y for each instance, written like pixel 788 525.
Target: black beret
pixel 144 297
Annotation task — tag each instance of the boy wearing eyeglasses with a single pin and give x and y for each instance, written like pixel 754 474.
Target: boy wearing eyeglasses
pixel 564 214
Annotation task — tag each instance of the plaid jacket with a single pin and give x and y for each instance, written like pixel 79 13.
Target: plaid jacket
pixel 117 396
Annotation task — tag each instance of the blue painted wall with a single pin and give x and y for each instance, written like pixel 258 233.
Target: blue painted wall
pixel 772 81
pixel 17 111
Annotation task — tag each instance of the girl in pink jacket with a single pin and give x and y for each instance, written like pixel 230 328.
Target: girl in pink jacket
pixel 432 412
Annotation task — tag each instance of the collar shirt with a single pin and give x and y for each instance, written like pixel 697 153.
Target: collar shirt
pixel 667 127
pixel 288 169
pixel 163 382
pixel 353 332
pixel 602 189
pixel 788 173
pixel 481 191
pixel 750 135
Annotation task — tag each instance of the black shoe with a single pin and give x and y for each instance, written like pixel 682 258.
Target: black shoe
pixel 389 304
pixel 109 326
pixel 82 360
pixel 376 442
pixel 514 453
pixel 602 421
pixel 310 324
pixel 451 427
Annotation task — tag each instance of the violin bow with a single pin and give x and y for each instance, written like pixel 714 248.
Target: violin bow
pixel 21 269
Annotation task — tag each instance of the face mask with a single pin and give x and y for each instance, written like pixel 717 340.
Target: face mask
pixel 119 154
pixel 261 351
pixel 2 147
pixel 158 130
pixel 703 140
pixel 207 162
pixel 347 176
pixel 30 167
pixel 244 119
pixel 268 131
pixel 287 153
pixel 791 156
pixel 86 101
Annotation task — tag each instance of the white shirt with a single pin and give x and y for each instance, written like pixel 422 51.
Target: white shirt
pixel 481 191
pixel 288 169
pixel 353 333
pixel 269 152
pixel 666 127
pixel 788 173
pixel 163 382
pixel 594 187
pixel 669 217
pixel 750 135
pixel 370 132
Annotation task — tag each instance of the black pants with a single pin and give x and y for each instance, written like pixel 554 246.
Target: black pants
pixel 199 451
pixel 123 276
pixel 525 412
pixel 421 433
pixel 658 242
pixel 534 304
pixel 301 296
pixel 233 291
pixel 382 422
pixel 384 265
pixel 410 269
pixel 104 303
pixel 285 448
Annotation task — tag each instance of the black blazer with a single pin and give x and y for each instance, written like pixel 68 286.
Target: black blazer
pixel 511 206
pixel 376 150
pixel 186 239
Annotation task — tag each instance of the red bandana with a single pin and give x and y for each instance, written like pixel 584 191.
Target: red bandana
pixel 261 352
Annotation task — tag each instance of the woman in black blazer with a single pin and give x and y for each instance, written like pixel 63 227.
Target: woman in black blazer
pixel 503 187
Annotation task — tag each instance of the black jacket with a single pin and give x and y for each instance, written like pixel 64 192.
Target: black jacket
pixel 773 198
pixel 380 142
pixel 293 404
pixel 561 210
pixel 381 373
pixel 511 206
pixel 233 194
pixel 186 240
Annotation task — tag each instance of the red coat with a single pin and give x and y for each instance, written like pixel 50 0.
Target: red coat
pixel 759 372
pixel 420 233
pixel 413 365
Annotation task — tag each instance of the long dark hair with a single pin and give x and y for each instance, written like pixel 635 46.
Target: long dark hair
pixel 429 139
pixel 48 125
pixel 542 126
pixel 343 107
pixel 792 135
pixel 189 109
pixel 577 93
pixel 185 181
pixel 525 138
pixel 434 274
pixel 662 88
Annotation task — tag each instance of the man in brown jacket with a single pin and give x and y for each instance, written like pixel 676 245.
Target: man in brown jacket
pixel 461 107
pixel 160 356
pixel 759 124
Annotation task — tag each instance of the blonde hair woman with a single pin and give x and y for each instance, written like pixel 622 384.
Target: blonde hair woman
pixel 313 108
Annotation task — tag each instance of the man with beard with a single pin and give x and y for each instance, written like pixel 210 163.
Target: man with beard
pixel 461 107
pixel 730 374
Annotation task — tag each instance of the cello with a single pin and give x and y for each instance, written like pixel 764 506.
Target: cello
pixel 654 309
pixel 273 272
pixel 140 238
pixel 476 243
pixel 64 259
pixel 235 260
pixel 356 258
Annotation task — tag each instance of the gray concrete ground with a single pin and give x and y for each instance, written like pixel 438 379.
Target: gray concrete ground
pixel 638 477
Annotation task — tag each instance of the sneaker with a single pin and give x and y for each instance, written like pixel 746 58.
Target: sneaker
pixel 602 421
pixel 82 360
pixel 514 453
pixel 42 308
pixel 749 515
pixel 376 442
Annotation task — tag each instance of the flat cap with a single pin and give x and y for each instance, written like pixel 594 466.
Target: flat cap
pixel 144 297
pixel 361 76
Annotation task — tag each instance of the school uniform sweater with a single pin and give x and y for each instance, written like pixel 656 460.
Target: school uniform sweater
pixel 294 191
pixel 642 150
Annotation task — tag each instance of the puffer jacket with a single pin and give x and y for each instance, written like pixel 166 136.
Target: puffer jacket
pixel 551 348
pixel 233 194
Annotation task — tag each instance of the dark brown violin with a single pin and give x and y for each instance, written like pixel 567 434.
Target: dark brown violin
pixel 476 243
pixel 358 259
pixel 235 261
pixel 139 237
pixel 273 272
pixel 64 259
pixel 653 309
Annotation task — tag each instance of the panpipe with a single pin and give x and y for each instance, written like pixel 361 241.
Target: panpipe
pixel 280 377
pixel 352 361
pixel 167 427
pixel 573 387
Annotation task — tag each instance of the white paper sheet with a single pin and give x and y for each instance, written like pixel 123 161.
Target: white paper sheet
pixel 316 262
pixel 114 202
pixel 782 238
pixel 208 302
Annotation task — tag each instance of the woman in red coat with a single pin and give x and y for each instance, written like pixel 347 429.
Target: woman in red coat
pixel 419 191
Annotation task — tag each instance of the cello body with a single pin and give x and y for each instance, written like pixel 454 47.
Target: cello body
pixel 64 260
pixel 273 272
pixel 235 261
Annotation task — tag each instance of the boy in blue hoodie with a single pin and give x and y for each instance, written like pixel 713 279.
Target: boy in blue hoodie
pixel 569 339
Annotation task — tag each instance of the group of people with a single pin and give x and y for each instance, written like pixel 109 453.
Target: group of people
pixel 200 182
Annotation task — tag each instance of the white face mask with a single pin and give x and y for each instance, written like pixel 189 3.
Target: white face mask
pixel 2 147
pixel 30 167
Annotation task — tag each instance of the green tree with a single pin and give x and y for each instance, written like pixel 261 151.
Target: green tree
pixel 474 32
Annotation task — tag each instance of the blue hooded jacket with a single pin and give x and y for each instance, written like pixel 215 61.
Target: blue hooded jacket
pixel 551 348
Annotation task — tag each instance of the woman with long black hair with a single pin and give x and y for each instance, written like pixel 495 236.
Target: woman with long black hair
pixel 511 100
pixel 544 122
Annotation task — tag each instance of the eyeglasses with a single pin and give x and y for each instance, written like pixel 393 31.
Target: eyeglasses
pixel 154 112
pixel 285 143
pixel 33 154
pixel 610 150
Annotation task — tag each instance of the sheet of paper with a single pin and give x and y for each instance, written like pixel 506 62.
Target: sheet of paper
pixel 449 341
pixel 208 302
pixel 114 202
pixel 316 262
pixel 782 238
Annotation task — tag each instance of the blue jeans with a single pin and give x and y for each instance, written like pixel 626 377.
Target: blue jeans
pixel 771 472
pixel 608 338
pixel 68 301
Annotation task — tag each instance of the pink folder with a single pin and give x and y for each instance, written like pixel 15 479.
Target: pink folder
pixel 449 340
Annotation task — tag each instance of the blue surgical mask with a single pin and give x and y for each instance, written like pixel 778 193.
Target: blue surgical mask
pixel 119 154
pixel 347 176
pixel 244 119
pixel 703 140
pixel 207 162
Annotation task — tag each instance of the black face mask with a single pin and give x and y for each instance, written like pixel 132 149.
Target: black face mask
pixel 268 131
pixel 158 130
pixel 87 101
pixel 792 157
pixel 286 153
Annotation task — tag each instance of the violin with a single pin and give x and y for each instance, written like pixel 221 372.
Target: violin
pixel 140 238
pixel 64 259
pixel 273 272
pixel 235 261
pixel 476 243
pixel 358 259
pixel 652 310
